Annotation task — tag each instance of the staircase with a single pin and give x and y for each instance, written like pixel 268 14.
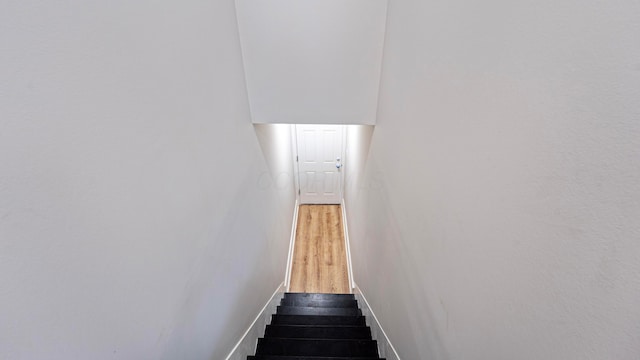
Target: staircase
pixel 317 327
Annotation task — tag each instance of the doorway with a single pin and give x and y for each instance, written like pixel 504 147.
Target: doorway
pixel 319 158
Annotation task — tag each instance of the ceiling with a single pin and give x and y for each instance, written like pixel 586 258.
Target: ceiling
pixel 312 61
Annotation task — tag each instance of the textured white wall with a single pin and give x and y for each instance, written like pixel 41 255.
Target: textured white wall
pixel 498 214
pixel 312 61
pixel 136 216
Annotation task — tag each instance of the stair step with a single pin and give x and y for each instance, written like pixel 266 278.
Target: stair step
pixel 318 332
pixel 304 310
pixel 311 302
pixel 319 296
pixel 281 357
pixel 317 320
pixel 317 347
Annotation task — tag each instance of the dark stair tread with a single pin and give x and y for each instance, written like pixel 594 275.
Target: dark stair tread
pixel 317 320
pixel 317 347
pixel 284 357
pixel 318 332
pixel 311 302
pixel 312 326
pixel 306 310
pixel 319 296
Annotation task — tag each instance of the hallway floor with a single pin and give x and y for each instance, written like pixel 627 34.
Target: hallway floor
pixel 319 258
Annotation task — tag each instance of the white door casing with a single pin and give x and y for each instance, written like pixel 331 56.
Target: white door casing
pixel 320 154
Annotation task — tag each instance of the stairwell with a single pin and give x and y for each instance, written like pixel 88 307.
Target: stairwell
pixel 311 326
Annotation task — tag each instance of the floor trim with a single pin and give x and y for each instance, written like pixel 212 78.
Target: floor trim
pixel 292 241
pixel 345 229
pixel 385 348
pixel 247 344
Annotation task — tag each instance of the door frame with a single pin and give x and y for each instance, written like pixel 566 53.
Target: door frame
pixel 294 152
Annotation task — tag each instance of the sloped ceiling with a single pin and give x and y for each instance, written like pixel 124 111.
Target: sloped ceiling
pixel 312 61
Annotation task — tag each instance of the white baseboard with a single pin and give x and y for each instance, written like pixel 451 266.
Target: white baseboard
pixel 385 348
pixel 352 283
pixel 292 241
pixel 247 344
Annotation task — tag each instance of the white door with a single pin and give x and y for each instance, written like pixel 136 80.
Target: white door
pixel 320 154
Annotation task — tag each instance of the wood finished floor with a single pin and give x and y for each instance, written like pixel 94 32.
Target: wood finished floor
pixel 319 258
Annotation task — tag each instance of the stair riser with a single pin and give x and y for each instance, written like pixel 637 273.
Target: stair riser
pixel 318 332
pixel 278 357
pixel 305 347
pixel 317 320
pixel 311 296
pixel 348 303
pixel 297 310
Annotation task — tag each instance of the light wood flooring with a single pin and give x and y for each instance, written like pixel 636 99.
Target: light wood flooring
pixel 319 255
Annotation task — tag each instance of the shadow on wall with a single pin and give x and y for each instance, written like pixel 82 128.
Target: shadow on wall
pixel 358 143
pixel 275 142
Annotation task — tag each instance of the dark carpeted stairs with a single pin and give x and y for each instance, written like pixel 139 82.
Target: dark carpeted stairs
pixel 317 327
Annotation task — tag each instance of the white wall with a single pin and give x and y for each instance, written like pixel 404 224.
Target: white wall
pixel 358 143
pixel 497 217
pixel 136 220
pixel 312 61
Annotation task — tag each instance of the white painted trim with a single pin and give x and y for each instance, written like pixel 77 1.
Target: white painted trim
pixel 292 241
pixel 385 348
pixel 294 159
pixel 343 155
pixel 248 342
pixel 345 230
